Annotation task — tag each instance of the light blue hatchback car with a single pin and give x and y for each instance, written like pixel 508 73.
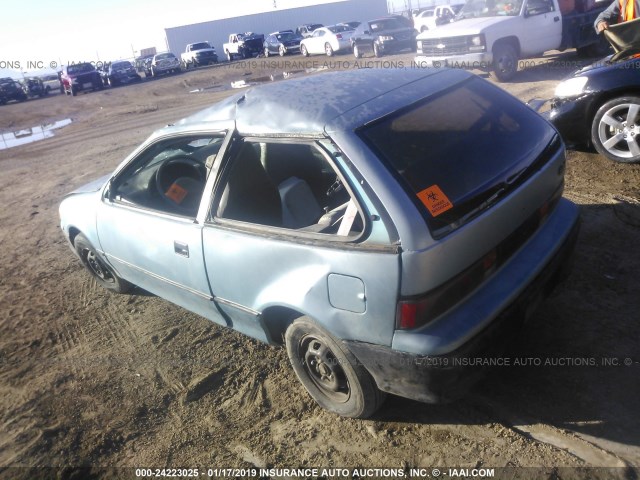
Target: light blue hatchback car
pixel 382 224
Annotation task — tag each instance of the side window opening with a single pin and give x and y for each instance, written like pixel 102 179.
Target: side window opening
pixel 169 176
pixel 291 186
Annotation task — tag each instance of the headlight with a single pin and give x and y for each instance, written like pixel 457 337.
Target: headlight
pixel 571 88
pixel 476 43
pixel 386 38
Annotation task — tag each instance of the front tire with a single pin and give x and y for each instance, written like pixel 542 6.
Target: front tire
pixel 99 270
pixel 505 62
pixel 615 131
pixel 304 51
pixel 377 51
pixel 356 51
pixel 330 372
pixel 266 52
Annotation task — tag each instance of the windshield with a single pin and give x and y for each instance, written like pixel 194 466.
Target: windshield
pixel 284 37
pixel 340 28
pixel 164 56
pixel 385 24
pixel 489 8
pixel 469 145
pixel 117 65
pixel 80 68
pixel 200 46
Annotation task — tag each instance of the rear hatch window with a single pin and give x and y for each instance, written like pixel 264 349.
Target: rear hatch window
pixel 459 152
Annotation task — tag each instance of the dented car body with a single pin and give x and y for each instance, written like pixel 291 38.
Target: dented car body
pixel 377 230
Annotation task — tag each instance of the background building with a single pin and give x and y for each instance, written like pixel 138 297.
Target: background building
pixel 217 32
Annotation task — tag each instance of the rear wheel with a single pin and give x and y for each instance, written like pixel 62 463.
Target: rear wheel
pixel 328 49
pixel 377 51
pixel 101 272
pixel 356 51
pixel 330 372
pixel 304 51
pixel 615 131
pixel 266 52
pixel 282 51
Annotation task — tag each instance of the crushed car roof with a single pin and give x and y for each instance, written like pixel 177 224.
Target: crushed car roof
pixel 307 105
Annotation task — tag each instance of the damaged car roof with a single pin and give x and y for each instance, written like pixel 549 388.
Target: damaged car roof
pixel 316 104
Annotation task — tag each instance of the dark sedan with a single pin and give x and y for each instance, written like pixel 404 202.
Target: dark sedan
pixel 120 72
pixel 599 105
pixel 281 43
pixel 383 36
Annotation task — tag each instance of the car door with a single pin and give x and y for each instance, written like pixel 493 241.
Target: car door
pixel 149 223
pixel 315 43
pixel 542 27
pixel 288 236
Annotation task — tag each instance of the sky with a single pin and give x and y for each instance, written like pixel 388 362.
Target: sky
pixel 37 36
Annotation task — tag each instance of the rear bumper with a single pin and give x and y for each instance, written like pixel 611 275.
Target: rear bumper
pixel 445 377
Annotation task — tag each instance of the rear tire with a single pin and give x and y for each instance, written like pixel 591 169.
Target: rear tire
pixel 356 52
pixel 328 49
pixel 304 51
pixel 97 267
pixel 330 372
pixel 376 50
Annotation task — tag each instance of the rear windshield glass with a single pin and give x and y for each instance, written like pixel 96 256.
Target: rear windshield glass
pixel 458 152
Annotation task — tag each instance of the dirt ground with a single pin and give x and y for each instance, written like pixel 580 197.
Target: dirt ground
pixel 93 379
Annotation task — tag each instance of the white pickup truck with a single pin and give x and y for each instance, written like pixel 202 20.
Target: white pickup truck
pixel 493 35
pixel 196 54
pixel 244 45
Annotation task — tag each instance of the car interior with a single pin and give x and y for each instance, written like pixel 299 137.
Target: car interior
pixel 286 185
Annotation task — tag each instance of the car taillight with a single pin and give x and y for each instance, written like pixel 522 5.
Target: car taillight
pixel 338 36
pixel 414 313
pixel 418 311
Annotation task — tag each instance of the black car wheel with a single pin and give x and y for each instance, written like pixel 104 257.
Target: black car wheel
pixel 101 272
pixel 328 49
pixel 282 51
pixel 505 62
pixel 356 51
pixel 377 51
pixel 615 130
pixel 304 51
pixel 266 52
pixel 330 372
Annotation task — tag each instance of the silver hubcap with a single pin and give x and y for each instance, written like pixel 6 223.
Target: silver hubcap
pixel 619 130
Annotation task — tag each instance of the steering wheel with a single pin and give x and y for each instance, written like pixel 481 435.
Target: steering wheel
pixel 180 182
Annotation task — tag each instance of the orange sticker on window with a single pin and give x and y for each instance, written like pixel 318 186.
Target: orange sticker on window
pixel 435 200
pixel 176 193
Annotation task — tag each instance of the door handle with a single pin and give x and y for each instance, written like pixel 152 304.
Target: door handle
pixel 181 249
pixel 556 19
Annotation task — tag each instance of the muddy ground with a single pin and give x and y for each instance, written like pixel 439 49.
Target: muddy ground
pixel 89 378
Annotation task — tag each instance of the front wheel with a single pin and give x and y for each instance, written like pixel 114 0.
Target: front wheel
pixel 282 51
pixel 101 272
pixel 615 130
pixel 356 51
pixel 330 372
pixel 304 51
pixel 377 51
pixel 266 52
pixel 505 62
